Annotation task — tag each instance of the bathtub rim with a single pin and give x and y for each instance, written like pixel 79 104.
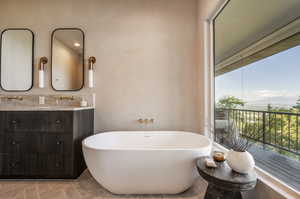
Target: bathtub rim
pixel 208 146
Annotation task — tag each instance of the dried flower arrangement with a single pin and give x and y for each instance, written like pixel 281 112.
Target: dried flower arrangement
pixel 238 142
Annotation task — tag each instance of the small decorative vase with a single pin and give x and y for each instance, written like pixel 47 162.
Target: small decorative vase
pixel 241 162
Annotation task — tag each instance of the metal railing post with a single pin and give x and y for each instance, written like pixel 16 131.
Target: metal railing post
pixel 264 129
pixel 266 125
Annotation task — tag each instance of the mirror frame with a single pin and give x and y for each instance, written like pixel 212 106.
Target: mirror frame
pixel 32 68
pixel 83 54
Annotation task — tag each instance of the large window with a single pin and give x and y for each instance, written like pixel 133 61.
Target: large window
pixel 257 95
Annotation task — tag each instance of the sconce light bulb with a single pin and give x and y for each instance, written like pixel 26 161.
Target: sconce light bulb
pixel 41 79
pixel 76 44
pixel 91 78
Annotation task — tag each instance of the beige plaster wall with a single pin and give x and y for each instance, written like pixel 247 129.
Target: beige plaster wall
pixel 146 56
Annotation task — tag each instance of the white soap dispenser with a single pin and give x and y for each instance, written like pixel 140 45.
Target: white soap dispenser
pixel 83 102
pixel 41 100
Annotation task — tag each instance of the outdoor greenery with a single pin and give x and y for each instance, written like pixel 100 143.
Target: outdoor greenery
pixel 297 106
pixel 276 127
pixel 230 102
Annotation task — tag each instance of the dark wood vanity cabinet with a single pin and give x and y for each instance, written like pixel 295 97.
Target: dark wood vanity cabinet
pixel 43 144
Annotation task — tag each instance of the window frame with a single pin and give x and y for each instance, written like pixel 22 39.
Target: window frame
pixel 209 88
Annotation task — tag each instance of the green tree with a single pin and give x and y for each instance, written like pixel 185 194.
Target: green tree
pixel 270 107
pixel 297 106
pixel 230 102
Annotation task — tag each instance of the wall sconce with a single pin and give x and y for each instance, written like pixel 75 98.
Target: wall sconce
pixel 92 61
pixel 43 61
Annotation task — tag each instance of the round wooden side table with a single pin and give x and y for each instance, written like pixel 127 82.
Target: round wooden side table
pixel 223 182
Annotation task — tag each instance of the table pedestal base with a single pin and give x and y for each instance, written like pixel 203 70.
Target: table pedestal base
pixel 213 192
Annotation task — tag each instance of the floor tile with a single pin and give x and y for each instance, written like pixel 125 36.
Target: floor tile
pixel 85 187
pixel 31 192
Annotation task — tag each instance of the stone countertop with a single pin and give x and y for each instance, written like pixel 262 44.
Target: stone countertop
pixel 43 108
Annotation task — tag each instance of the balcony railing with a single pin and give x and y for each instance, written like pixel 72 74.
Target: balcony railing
pixel 277 129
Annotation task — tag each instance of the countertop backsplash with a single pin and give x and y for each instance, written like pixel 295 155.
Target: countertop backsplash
pixel 73 100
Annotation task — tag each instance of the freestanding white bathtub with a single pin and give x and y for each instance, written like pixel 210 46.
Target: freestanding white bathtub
pixel 145 162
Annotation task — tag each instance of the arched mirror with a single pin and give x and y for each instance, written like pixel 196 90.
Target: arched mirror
pixel 67 59
pixel 17 48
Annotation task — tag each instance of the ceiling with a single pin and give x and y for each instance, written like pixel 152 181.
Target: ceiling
pixel 242 23
pixel 68 37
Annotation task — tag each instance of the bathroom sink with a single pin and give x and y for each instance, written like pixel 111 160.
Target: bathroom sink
pixel 44 107
pixel 60 107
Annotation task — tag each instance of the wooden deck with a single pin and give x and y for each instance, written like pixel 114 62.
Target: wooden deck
pixel 280 166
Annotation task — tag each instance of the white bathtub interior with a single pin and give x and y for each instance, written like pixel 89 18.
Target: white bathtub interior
pixel 146 140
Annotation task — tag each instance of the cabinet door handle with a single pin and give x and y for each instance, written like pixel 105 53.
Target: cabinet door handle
pixel 13 164
pixel 58 142
pixel 57 121
pixel 57 164
pixel 14 122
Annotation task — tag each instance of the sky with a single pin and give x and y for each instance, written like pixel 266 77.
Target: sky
pixel 273 80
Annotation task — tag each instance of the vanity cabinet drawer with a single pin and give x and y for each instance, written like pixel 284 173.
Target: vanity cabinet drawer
pixel 60 121
pixel 19 165
pixel 25 121
pixel 88 118
pixel 15 143
pixel 14 165
pixel 54 166
pixel 32 164
pixel 35 165
pixel 18 121
pixel 2 142
pixel 2 163
pixel 21 142
pixel 57 143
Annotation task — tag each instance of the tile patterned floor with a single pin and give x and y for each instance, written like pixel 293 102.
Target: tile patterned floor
pixel 85 187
